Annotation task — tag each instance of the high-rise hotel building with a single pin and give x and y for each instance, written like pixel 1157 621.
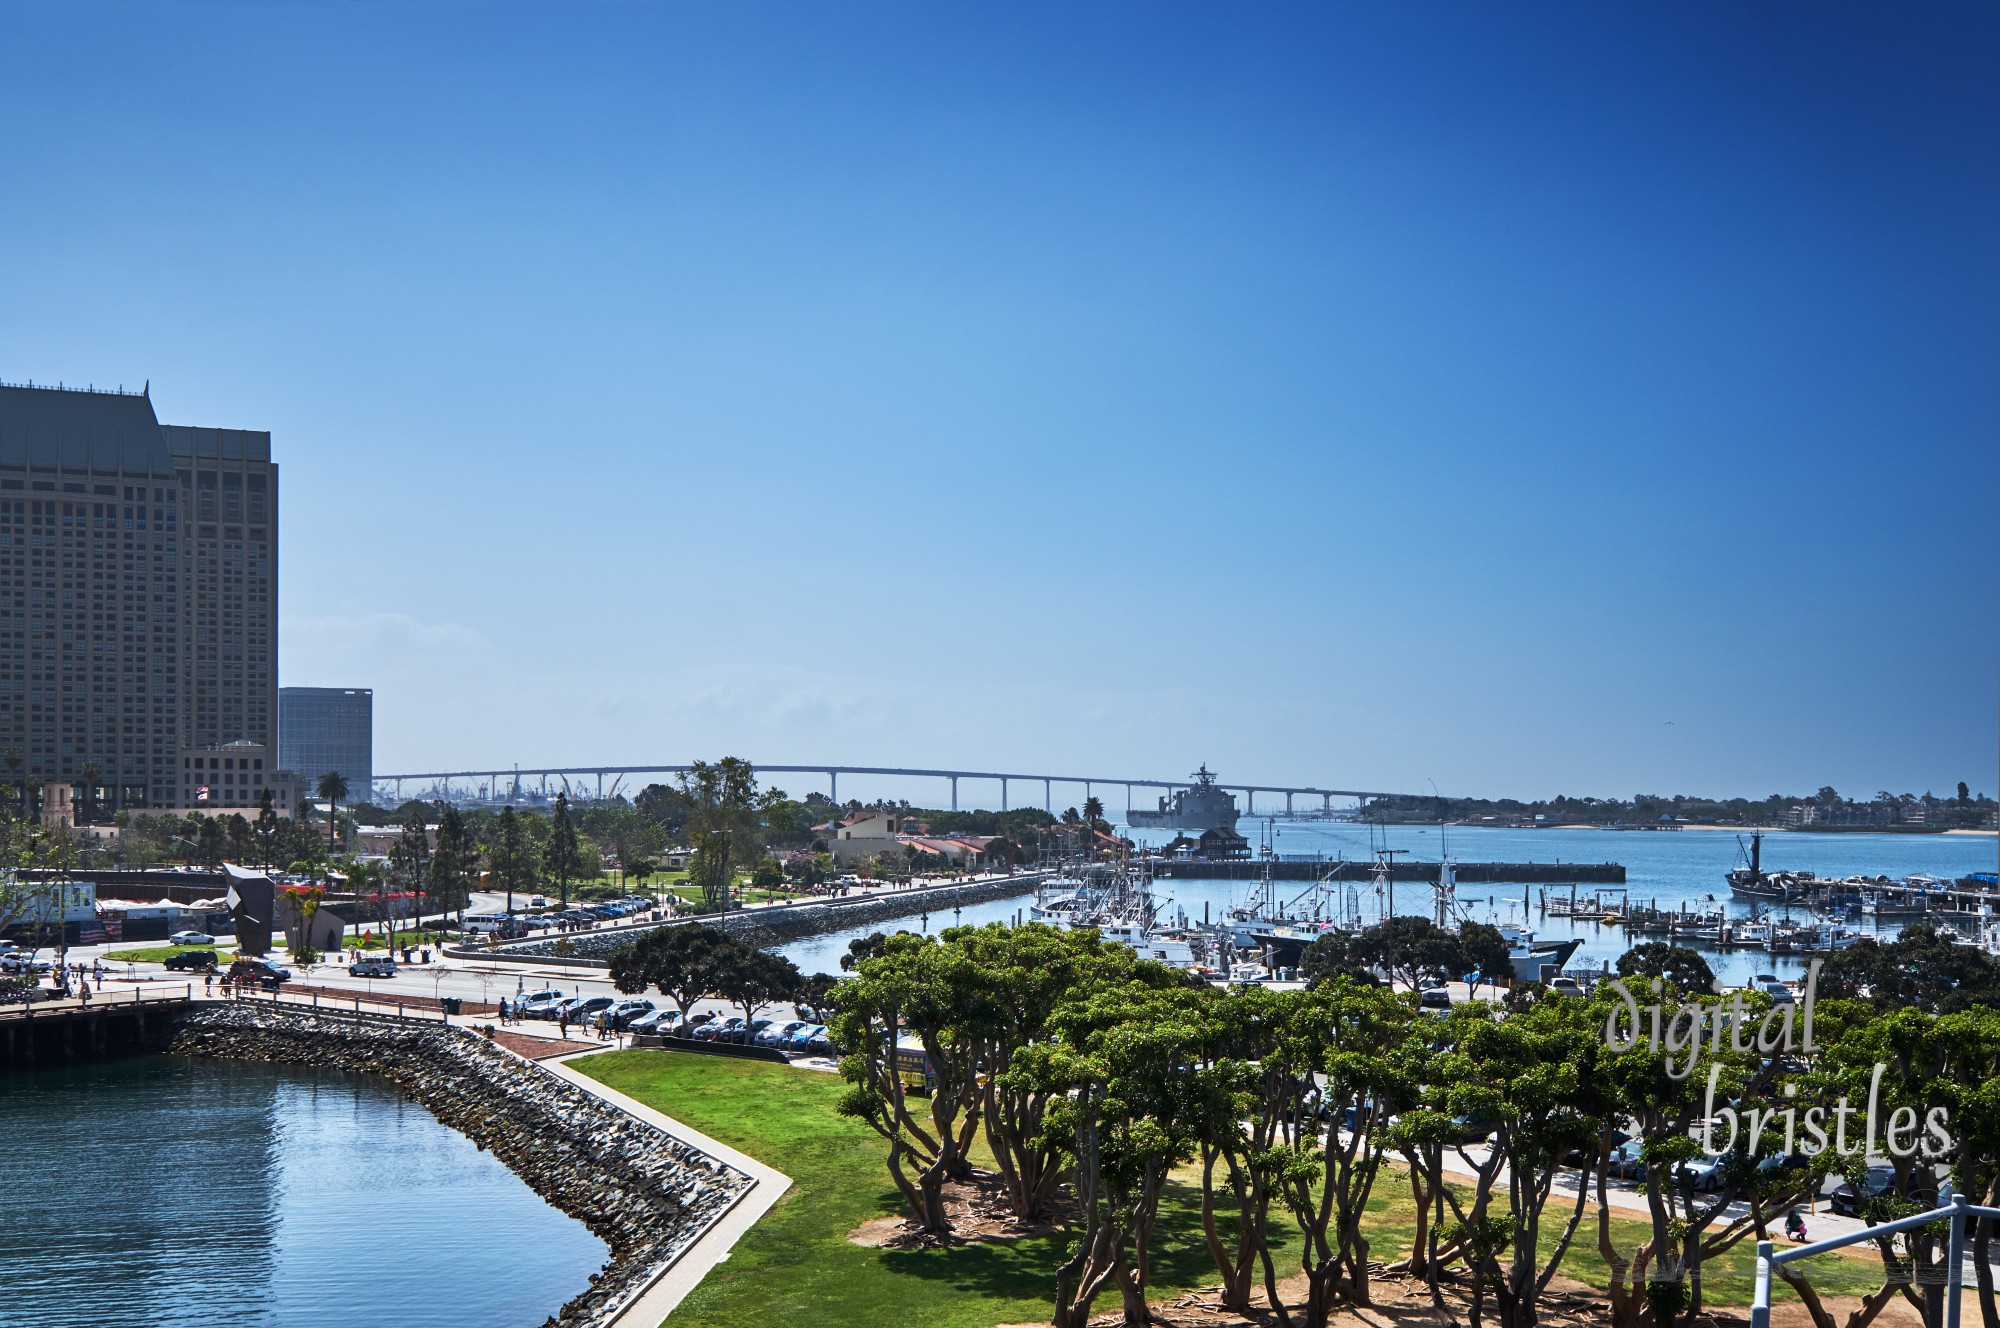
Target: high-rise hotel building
pixel 138 595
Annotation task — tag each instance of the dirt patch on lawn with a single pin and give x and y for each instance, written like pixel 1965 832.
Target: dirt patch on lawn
pixel 978 1211
pixel 1406 1303
pixel 879 1231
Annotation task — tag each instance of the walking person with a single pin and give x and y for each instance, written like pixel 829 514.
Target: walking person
pixel 562 1024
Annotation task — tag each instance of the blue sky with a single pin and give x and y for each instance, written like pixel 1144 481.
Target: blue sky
pixel 1533 399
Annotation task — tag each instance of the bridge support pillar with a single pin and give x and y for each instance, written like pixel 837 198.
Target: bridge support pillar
pixel 600 786
pixel 1128 803
pixel 1249 802
pixel 1003 793
pixel 1326 803
pixel 833 786
pixel 954 792
pixel 1288 804
pixel 1048 795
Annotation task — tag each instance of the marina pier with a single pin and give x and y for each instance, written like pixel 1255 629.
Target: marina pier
pixel 1348 869
pixel 113 1023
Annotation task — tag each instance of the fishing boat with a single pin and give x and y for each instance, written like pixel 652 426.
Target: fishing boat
pixel 1058 899
pixel 1119 904
pixel 1751 881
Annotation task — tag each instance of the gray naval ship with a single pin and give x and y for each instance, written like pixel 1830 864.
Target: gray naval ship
pixel 1202 807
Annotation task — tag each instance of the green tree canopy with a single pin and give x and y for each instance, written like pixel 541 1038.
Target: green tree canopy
pixel 1687 970
pixel 684 962
pixel 1922 967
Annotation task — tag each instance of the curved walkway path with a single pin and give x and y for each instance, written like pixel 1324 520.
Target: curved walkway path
pixel 651 1306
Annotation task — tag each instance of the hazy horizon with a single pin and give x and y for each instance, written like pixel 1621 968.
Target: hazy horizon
pixel 1570 400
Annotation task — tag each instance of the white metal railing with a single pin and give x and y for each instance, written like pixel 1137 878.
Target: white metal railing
pixel 1956 1210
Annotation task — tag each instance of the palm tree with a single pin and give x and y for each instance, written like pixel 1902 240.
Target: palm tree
pixel 91 772
pixel 332 787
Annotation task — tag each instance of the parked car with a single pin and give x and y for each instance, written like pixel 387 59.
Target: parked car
pixel 1625 1162
pixel 1576 1157
pixel 1848 1200
pixel 714 1031
pixel 823 1044
pixel 372 966
pixel 192 961
pixel 1773 1165
pixel 20 961
pixel 1474 1129
pixel 583 1007
pixel 1701 1174
pixel 1437 998
pixel 1565 987
pixel 542 1004
pixel 800 1039
pixel 775 1034
pixel 624 1012
pixel 190 938
pixel 665 1022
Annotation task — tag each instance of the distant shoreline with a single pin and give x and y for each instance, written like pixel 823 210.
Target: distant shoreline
pixel 1730 829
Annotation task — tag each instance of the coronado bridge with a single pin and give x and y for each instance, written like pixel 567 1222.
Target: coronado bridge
pixel 521 784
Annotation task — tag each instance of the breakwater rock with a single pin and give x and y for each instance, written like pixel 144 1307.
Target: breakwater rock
pixel 643 1192
pixel 775 924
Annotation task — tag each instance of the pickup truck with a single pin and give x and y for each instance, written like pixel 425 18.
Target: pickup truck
pixel 192 960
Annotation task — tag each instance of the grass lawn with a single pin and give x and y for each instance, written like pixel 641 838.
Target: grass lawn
pixel 159 954
pixel 798 1266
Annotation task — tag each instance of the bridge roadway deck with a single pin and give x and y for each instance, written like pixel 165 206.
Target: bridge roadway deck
pixel 496 778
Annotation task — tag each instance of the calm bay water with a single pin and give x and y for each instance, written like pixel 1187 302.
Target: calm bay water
pixel 164 1191
pixel 1667 868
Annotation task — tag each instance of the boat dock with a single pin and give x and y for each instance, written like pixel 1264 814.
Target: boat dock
pixel 1348 869
pixel 1709 927
pixel 1600 905
pixel 1881 896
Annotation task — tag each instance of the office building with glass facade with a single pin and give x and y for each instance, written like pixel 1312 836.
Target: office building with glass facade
pixel 324 729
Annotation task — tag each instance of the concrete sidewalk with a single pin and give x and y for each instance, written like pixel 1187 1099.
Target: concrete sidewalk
pixel 672 1284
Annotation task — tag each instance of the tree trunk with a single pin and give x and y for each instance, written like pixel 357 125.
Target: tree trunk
pixel 1234 1271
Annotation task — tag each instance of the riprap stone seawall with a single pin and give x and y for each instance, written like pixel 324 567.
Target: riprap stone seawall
pixel 643 1192
pixel 771 925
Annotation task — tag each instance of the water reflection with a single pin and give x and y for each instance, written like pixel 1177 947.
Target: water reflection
pixel 165 1192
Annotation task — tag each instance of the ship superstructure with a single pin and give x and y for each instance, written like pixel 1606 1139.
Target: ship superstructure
pixel 1202 806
